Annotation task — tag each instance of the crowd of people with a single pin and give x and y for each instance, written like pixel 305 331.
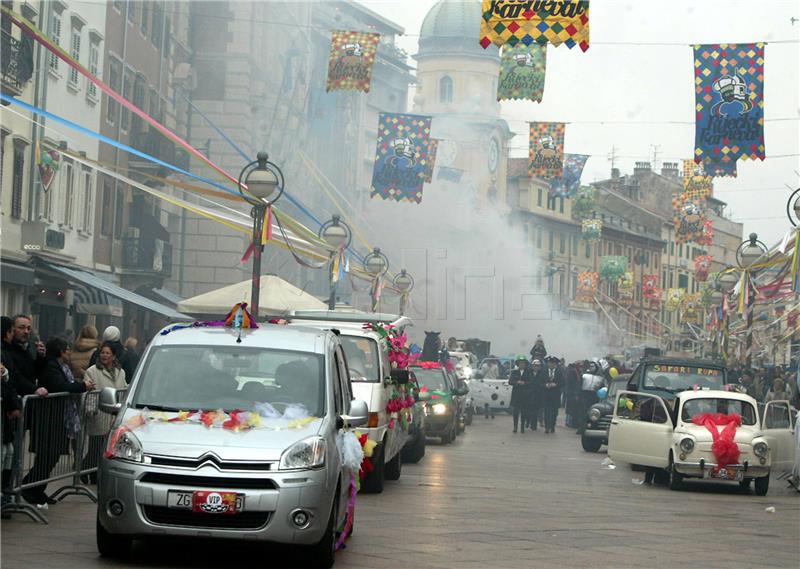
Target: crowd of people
pixel 766 384
pixel 63 364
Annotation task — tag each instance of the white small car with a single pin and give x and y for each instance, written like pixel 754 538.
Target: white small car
pixel 649 431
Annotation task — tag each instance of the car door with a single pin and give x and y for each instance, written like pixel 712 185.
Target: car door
pixel 778 428
pixel 641 431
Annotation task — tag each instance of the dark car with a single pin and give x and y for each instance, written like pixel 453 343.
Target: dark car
pixel 666 377
pixel 598 418
pixel 442 410
pixel 415 447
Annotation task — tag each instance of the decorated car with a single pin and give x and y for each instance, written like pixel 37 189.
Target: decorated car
pixel 704 434
pixel 442 409
pixel 488 396
pixel 667 376
pixel 598 418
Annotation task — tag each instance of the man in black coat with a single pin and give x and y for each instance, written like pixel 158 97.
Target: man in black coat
pixel 520 379
pixel 554 383
pixel 537 395
pixel 23 363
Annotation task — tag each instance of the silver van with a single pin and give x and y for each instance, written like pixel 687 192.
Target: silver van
pixel 228 437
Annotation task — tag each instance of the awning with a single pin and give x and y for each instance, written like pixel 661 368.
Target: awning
pixel 95 281
pixel 15 273
pixel 166 295
pixel 90 300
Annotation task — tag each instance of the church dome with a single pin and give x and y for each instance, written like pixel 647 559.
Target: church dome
pixel 452 28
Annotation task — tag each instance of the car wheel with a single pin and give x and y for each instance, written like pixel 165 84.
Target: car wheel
pixel 745 484
pixel 675 477
pixel 591 444
pixel 762 485
pixel 447 437
pixel 415 453
pixel 394 467
pixel 323 552
pixel 373 482
pixel 110 545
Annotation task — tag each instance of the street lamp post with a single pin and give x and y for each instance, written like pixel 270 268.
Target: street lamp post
pixel 377 265
pixel 748 253
pixel 726 281
pixel 793 207
pixel 404 283
pixel 258 181
pixel 337 234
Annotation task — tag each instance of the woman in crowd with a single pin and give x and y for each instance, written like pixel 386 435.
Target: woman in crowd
pixel 779 392
pixel 83 350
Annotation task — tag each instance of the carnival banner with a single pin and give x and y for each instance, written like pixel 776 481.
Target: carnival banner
pixel 48 162
pixel 708 167
pixel 583 204
pixel 674 299
pixel 729 103
pixel 592 229
pixel 702 265
pixel 535 21
pixel 522 72
pixel 567 185
pixel 696 183
pixel 351 59
pixel 400 157
pixel 650 289
pixel 613 266
pixel 430 161
pixel 689 218
pixel 625 287
pixel 587 286
pixel 547 149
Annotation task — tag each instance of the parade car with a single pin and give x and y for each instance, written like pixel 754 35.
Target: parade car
pixel 704 434
pixel 414 450
pixel 370 373
pixel 231 436
pixel 666 376
pixel 598 418
pixel 442 410
pixel 490 395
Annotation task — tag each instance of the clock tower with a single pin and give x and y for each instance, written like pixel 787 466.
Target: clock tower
pixel 457 86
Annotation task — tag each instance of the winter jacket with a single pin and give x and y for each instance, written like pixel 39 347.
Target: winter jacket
pixel 99 423
pixel 124 359
pixel 82 353
pixel 10 402
pixel 24 366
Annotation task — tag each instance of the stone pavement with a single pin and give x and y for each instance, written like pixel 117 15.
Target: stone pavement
pixel 493 499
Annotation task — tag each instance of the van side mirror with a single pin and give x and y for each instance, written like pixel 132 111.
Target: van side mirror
pixel 108 401
pixel 359 414
pixel 399 376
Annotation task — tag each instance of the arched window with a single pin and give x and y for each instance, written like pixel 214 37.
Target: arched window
pixel 446 89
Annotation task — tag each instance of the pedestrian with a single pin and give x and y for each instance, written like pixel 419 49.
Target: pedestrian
pixel 11 405
pixel 83 350
pixel 779 391
pixel 520 381
pixel 537 396
pixel 133 356
pixel 112 334
pixel 591 382
pixel 551 394
pixel 51 434
pixel 489 368
pixel 24 359
pixel 572 391
pixel 747 382
pixel 105 373
pixel 538 351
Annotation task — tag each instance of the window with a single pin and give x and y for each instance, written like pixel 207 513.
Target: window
pixel 114 81
pixel 118 5
pixel 127 87
pixel 562 243
pixel 539 237
pixel 561 204
pixel 94 62
pixel 68 180
pixel 680 250
pixel 683 282
pixel 588 250
pixel 119 206
pixel 445 89
pixel 157 33
pixel 16 180
pixel 639 407
pixel 526 232
pixel 139 90
pixel 671 247
pixel 539 197
pixel 88 202
pixel 523 198
pixel 145 21
pixel 131 11
pixel 75 52
pixel 55 35
pixel 551 203
pixel 551 242
pixel 574 245
pixel 107 207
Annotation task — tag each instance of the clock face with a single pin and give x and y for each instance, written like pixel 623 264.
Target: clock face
pixel 446 153
pixel 494 155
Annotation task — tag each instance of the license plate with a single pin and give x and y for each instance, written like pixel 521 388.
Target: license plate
pixel 725 474
pixel 206 501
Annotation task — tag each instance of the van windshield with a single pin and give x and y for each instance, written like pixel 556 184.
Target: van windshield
pixel 676 378
pixel 362 358
pixel 695 407
pixel 189 378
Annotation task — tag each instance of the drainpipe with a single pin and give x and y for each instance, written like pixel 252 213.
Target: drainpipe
pixel 119 132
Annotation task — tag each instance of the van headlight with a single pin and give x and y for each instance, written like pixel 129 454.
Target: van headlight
pixel 308 453
pixel 761 449
pixel 123 445
pixel 687 445
pixel 595 415
pixel 439 409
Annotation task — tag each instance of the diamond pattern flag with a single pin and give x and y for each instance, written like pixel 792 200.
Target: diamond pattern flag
pixel 689 217
pixel 522 72
pixel 729 103
pixel 351 60
pixel 696 183
pixel 430 161
pixel 547 149
pixel 587 286
pixel 401 157
pixel 535 21
pixel 570 181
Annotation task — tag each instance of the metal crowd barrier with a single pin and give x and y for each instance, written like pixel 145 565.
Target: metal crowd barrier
pixel 59 439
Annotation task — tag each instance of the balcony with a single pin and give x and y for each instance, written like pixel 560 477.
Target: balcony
pixel 151 142
pixel 147 255
pixel 17 63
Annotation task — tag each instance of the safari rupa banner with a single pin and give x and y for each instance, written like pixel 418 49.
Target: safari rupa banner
pixel 401 157
pixel 510 22
pixel 729 104
pixel 351 60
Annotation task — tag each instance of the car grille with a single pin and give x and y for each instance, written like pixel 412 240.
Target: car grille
pixel 604 422
pixel 160 515
pixel 195 463
pixel 214 482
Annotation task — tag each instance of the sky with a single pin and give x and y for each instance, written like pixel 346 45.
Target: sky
pixel 654 83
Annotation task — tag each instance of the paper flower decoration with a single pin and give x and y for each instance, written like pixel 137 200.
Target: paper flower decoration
pixel 674 298
pixel 702 266
pixel 625 286
pixel 613 266
pixel 592 229
pixel 587 286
